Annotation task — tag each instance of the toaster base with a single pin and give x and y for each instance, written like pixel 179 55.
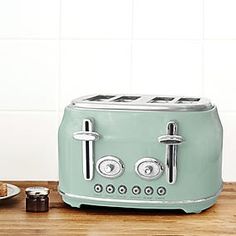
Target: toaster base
pixel 188 206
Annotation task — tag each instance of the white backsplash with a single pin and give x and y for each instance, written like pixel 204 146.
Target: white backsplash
pixel 54 50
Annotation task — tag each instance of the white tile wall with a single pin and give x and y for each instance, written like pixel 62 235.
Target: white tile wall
pixel 167 67
pixel 229 161
pixel 29 74
pixel 91 66
pixel 29 18
pixel 168 19
pixel 220 73
pixel 28 145
pixel 54 50
pixel 96 19
pixel 220 19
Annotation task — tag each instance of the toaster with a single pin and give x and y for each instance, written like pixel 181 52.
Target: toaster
pixel 141 151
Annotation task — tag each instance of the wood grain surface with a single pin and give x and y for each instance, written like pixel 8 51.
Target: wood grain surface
pixel 64 220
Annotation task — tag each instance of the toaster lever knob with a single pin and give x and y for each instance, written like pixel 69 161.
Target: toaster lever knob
pixel 86 136
pixel 170 139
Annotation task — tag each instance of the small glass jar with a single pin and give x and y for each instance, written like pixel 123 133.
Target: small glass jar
pixel 37 199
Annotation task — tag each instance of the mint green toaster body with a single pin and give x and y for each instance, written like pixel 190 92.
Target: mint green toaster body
pixel 131 146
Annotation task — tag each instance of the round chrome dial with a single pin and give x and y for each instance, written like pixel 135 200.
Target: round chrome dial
pixel 110 166
pixel 149 168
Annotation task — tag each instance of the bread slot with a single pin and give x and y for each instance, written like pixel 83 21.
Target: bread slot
pixel 161 100
pixel 99 98
pixel 126 99
pixel 187 100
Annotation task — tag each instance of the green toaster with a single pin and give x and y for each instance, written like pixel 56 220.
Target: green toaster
pixel 141 151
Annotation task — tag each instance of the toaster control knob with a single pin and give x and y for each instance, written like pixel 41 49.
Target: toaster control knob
pixel 110 166
pixel 149 168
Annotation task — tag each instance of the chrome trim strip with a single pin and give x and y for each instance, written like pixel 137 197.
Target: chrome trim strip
pixel 141 201
pixel 142 103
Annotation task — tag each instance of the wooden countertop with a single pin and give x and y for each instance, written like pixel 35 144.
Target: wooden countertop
pixel 93 221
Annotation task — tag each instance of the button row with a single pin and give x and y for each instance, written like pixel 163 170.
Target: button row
pixel 136 190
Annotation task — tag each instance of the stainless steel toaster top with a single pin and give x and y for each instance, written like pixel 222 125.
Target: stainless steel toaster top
pixel 142 102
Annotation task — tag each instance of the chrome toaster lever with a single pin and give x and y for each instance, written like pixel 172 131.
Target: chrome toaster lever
pixel 87 136
pixel 171 140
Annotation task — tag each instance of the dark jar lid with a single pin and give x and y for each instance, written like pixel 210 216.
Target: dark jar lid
pixel 37 191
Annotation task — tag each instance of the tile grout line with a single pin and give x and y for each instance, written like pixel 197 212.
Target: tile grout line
pixel 28 38
pixel 131 47
pixel 59 80
pixel 59 65
pixel 28 110
pixel 114 39
pixel 203 50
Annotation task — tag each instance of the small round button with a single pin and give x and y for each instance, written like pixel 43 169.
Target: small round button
pixel 110 188
pixel 148 190
pixel 98 188
pixel 136 190
pixel 161 191
pixel 122 189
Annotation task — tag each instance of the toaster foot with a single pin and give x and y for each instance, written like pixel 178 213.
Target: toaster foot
pixel 198 207
pixel 73 202
pixel 191 211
